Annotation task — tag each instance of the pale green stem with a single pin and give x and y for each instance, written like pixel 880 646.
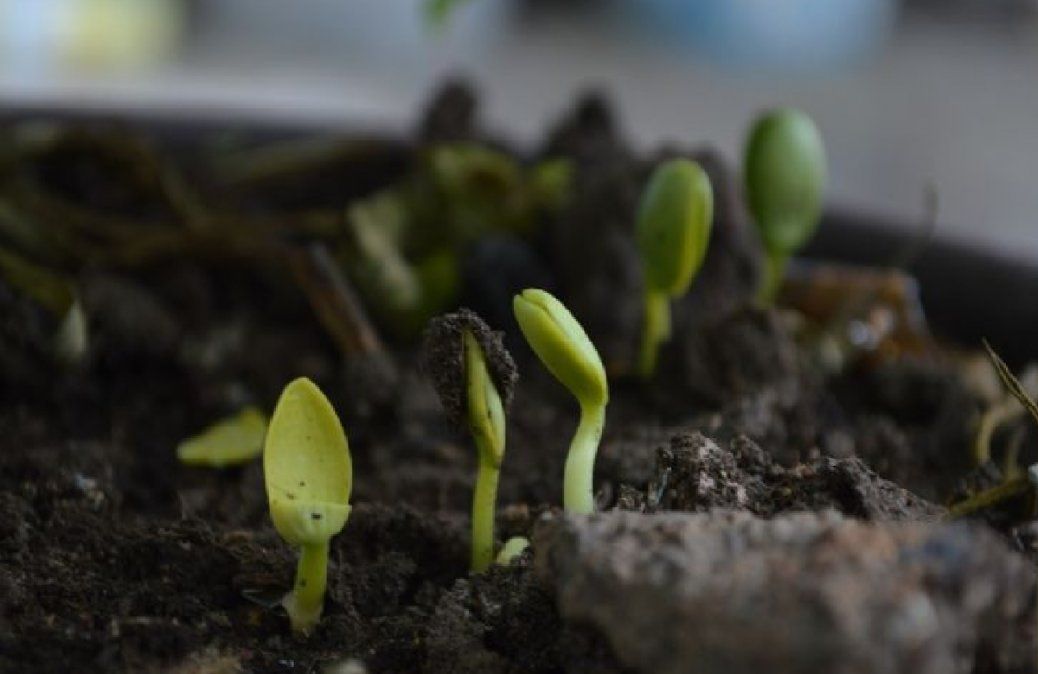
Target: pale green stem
pixel 483 510
pixel 773 274
pixel 306 601
pixel 578 491
pixel 656 329
pixel 989 423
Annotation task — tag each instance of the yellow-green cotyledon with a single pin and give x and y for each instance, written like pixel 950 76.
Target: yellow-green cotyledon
pixel 564 348
pixel 308 476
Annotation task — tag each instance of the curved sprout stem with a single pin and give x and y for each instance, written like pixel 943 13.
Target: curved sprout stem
pixel 578 496
pixel 993 418
pixel 655 331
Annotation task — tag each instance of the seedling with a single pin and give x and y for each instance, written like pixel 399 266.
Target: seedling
pixel 512 548
pixel 1001 413
pixel 55 293
pixel 308 473
pixel 1021 482
pixel 785 175
pixel 234 440
pixel 474 376
pixel 564 348
pixel 673 232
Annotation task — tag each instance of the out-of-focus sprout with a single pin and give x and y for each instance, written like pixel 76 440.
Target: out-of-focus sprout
pixel 562 345
pixel 403 244
pixel 438 12
pixel 784 180
pixel 513 548
pixel 1022 481
pixel 673 232
pixel 231 441
pixel 56 294
pixel 308 474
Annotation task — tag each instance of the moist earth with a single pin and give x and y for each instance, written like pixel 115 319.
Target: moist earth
pixel 756 512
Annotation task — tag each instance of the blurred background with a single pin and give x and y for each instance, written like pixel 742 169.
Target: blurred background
pixel 908 93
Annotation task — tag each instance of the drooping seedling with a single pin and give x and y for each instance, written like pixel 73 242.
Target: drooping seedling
pixel 308 474
pixel 673 231
pixel 784 176
pixel 564 348
pixel 474 376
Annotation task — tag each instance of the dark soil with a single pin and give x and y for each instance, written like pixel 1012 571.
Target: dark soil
pixel 116 558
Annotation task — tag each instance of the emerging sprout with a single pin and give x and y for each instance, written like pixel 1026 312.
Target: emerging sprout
pixel 784 176
pixel 55 293
pixel 308 473
pixel 673 232
pixel 564 348
pixel 234 440
pixel 474 375
pixel 512 548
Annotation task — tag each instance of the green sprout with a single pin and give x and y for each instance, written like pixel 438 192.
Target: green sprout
pixel 1020 482
pixel 474 376
pixel 437 12
pixel 232 441
pixel 673 232
pixel 785 177
pixel 512 549
pixel 308 474
pixel 55 293
pixel 564 348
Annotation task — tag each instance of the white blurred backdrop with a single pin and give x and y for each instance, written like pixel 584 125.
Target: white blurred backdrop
pixel 907 93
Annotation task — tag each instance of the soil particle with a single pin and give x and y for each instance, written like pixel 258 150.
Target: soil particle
pixel 695 473
pixel 370 389
pixel 443 360
pixel 808 592
pixel 126 319
pixel 588 132
pixel 451 114
pixel 920 423
pixel 494 270
pixel 743 352
pixel 504 621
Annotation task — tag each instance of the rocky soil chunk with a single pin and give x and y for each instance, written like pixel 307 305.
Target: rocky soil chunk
pixel 696 473
pixel 807 592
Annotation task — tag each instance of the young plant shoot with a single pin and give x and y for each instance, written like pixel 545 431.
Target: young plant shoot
pixel 673 231
pixel 512 549
pixel 308 474
pixel 784 180
pixel 1013 485
pixel 474 376
pixel 564 348
pixel 230 442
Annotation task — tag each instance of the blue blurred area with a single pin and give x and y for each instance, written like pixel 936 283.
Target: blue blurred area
pixel 768 35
